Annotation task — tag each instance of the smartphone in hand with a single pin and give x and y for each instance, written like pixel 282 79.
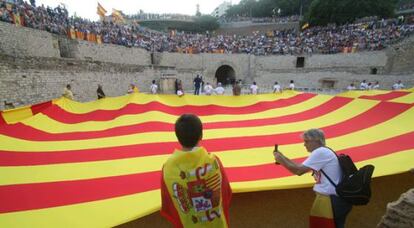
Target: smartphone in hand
pixel 276 149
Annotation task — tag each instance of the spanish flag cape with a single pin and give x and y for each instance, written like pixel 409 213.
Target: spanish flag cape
pixel 195 191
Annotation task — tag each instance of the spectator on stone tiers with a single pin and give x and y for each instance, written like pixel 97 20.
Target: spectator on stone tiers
pixel 277 88
pixel 397 86
pixel 254 89
pixel 219 90
pixel 67 92
pixel 236 89
pixel 208 89
pixel 154 87
pixel 292 85
pixel 100 92
pixel 351 87
pixel 324 40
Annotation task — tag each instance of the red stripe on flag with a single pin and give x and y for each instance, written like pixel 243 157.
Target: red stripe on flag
pixel 386 96
pixel 43 195
pixel 376 115
pixel 360 153
pixel 58 114
pixel 2 120
pixel 23 197
pixel 40 107
pixel 25 132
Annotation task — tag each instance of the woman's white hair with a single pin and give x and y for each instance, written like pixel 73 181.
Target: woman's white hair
pixel 315 134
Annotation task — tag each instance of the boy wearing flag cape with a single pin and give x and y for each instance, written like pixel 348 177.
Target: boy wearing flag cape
pixel 195 191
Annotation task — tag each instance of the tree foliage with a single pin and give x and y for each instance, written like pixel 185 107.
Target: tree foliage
pixel 323 12
pixel 319 12
pixel 267 8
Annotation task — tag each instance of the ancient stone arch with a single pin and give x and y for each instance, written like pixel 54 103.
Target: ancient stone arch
pixel 225 74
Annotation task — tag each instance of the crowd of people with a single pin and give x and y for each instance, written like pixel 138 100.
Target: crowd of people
pixel 406 6
pixel 364 85
pixel 372 35
pixel 200 87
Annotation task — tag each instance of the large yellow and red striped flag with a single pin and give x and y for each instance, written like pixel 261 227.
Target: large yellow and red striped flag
pixel 64 163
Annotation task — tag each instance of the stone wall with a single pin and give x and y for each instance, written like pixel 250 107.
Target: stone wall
pixel 401 57
pixel 22 41
pixel 113 53
pixel 26 81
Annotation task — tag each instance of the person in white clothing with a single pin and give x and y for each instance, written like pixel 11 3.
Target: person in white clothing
pixel 292 85
pixel 363 85
pixel 321 159
pixel 397 86
pixel 153 87
pixel 254 88
pixel 208 89
pixel 376 85
pixel 219 90
pixel 351 87
pixel 276 88
pixel 369 86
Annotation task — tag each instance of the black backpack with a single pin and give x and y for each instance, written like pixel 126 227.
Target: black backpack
pixel 355 185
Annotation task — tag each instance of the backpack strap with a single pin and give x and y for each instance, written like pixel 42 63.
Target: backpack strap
pixel 330 180
pixel 326 175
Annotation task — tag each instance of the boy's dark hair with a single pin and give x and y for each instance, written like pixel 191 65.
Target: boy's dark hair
pixel 189 130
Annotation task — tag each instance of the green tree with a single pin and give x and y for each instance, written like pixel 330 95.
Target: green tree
pixel 322 12
pixel 206 23
pixel 264 8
